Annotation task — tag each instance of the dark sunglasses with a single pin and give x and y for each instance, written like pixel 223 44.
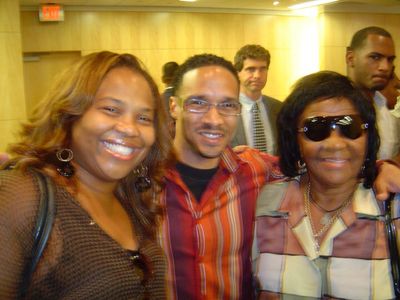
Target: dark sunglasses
pixel 143 268
pixel 319 128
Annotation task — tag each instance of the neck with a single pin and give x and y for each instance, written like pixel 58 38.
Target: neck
pixel 93 188
pixel 368 93
pixel 253 95
pixel 198 162
pixel 330 197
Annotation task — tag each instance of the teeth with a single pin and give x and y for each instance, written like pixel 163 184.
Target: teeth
pixel 120 149
pixel 335 160
pixel 212 135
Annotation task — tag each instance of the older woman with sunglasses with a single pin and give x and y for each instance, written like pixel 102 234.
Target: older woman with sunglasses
pixel 321 233
pixel 99 140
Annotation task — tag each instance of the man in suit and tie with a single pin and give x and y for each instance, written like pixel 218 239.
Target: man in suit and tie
pixel 256 126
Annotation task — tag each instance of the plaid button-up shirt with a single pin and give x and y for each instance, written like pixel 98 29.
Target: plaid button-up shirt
pixel 353 261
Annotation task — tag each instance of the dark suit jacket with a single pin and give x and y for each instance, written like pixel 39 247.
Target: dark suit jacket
pixel 272 106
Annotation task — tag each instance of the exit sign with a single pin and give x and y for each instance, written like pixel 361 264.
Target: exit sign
pixel 51 13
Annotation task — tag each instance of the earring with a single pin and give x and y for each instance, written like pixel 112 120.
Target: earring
pixel 362 171
pixel 301 167
pixel 64 156
pixel 143 181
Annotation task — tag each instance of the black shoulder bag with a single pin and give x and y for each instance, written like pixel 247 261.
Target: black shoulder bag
pixel 44 223
pixel 392 239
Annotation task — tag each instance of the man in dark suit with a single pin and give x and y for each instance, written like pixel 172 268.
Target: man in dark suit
pixel 252 63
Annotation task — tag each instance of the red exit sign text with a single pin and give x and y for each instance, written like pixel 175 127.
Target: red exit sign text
pixel 51 12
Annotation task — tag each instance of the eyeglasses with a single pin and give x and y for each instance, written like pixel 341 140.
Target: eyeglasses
pixel 200 106
pixel 319 128
pixel 143 268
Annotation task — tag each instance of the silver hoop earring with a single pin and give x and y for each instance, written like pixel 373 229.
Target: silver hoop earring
pixel 301 167
pixel 64 167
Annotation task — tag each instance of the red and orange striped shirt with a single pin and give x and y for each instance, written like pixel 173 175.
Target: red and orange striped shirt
pixel 208 243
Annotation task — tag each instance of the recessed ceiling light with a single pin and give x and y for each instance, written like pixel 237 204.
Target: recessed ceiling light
pixel 187 0
pixel 275 3
pixel 311 3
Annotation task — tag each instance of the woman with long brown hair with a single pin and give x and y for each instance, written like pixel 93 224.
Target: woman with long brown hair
pixel 100 138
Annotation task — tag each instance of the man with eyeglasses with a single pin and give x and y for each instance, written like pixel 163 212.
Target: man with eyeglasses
pixel 370 62
pixel 210 193
pixel 257 124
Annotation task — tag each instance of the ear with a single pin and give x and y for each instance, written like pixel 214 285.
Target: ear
pixel 174 107
pixel 350 58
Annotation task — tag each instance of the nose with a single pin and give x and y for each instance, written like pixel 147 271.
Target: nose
pixel 127 125
pixel 336 140
pixel 212 116
pixel 256 74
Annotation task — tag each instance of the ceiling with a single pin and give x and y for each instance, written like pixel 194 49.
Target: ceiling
pixel 389 6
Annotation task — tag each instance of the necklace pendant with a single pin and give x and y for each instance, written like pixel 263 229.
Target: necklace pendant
pixel 325 219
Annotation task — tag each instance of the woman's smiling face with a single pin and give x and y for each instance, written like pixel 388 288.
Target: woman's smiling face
pixel 117 131
pixel 337 159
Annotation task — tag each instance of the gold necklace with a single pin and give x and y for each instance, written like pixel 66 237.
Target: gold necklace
pixel 330 219
pixel 326 212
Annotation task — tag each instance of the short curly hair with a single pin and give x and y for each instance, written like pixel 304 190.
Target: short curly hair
pixel 316 87
pixel 251 51
pixel 198 61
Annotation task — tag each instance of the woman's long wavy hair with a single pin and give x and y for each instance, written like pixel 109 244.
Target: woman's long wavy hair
pixel 49 129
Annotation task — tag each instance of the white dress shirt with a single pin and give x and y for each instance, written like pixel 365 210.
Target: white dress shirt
pixel 387 127
pixel 246 114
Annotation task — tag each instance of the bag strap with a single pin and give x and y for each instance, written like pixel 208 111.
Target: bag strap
pixel 392 240
pixel 44 223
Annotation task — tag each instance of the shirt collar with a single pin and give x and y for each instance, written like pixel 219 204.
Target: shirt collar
pixel 379 99
pixel 246 102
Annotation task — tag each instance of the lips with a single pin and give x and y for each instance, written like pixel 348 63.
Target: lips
pixel 380 77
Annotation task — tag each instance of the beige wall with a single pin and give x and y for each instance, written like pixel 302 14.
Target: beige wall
pixel 159 37
pixel 336 30
pixel 12 101
pixel 298 44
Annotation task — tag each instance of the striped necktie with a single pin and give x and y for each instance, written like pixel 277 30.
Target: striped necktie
pixel 258 129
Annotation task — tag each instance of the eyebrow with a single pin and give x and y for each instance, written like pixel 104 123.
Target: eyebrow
pixel 202 97
pixel 120 102
pixel 382 55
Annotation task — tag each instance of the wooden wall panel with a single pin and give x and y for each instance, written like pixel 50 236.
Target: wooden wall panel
pixel 9 131
pixel 11 82
pixel 298 45
pixel 337 30
pixel 12 108
pixel 50 36
pixel 39 74
pixel 8 20
pixel 293 44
